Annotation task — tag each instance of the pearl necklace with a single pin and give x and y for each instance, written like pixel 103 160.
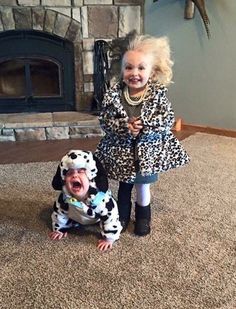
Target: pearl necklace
pixel 134 102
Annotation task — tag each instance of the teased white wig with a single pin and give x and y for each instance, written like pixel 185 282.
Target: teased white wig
pixel 159 50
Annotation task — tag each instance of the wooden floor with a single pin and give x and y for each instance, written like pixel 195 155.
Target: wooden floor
pixel 43 151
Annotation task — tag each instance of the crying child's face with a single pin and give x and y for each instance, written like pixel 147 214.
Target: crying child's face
pixel 77 183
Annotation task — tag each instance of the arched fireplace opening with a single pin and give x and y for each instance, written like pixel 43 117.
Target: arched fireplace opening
pixel 36 72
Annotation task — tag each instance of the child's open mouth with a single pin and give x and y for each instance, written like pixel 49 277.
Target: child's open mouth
pixel 76 185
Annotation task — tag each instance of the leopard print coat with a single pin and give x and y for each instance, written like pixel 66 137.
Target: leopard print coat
pixel 157 147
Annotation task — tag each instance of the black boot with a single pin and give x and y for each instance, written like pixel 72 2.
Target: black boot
pixel 142 220
pixel 124 203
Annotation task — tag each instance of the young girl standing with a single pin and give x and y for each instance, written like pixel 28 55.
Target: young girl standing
pixel 137 118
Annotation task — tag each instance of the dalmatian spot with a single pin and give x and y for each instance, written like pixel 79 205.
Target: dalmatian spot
pixel 60 199
pixel 110 205
pixel 89 212
pixel 92 191
pixel 64 172
pixel 72 155
pixel 65 206
pixel 111 231
pixel 55 207
pixel 104 218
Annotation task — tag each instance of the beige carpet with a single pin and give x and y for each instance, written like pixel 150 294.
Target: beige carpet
pixel 188 261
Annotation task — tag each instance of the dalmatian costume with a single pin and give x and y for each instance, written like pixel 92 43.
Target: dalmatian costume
pixel 99 206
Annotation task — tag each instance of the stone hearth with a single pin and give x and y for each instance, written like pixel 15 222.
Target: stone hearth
pixel 48 126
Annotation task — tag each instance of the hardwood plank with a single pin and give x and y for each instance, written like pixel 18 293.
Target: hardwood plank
pixel 42 151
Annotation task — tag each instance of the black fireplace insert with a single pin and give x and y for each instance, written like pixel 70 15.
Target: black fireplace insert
pixel 36 72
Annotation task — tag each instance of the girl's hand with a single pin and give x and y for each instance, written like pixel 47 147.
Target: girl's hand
pixel 56 235
pixel 135 125
pixel 104 245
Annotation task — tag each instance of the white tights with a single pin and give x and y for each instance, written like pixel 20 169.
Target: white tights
pixel 143 194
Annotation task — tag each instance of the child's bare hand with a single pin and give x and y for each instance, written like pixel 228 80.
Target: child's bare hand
pixel 135 125
pixel 56 235
pixel 104 245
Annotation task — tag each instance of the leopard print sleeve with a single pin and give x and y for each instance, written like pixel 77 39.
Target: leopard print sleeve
pixel 113 118
pixel 161 119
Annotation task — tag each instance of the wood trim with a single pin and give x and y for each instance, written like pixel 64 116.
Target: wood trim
pixel 210 130
pixel 178 125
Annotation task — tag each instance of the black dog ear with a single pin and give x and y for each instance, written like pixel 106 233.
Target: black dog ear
pixel 101 179
pixel 57 181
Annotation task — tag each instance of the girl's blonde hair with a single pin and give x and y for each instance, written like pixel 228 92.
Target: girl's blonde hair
pixel 159 50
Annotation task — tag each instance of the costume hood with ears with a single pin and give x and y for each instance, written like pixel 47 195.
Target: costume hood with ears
pixel 76 159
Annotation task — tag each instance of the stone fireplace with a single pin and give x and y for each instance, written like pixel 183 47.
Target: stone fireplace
pixel 36 72
pixel 47 50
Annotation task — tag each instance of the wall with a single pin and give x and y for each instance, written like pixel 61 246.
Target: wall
pixel 204 70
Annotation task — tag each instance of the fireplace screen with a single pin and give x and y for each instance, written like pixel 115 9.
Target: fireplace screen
pixel 36 79
pixel 29 78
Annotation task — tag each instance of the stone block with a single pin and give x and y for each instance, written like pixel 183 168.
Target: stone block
pixel 56 2
pixel 74 31
pixel 88 44
pixel 22 18
pixel 87 62
pixel 76 14
pixel 8 2
pixel 129 2
pixel 84 21
pixel 61 25
pixel 7 135
pixel 64 11
pixel 74 119
pixel 29 2
pixel 97 2
pixel 84 101
pixel 78 51
pixel 50 18
pixel 7 138
pixel 38 18
pixel 37 134
pixel 7 19
pixel 102 21
pixel 78 2
pixel 130 19
pixel 88 87
pixel 27 120
pixel 56 133
pixel 77 132
pixel 7 132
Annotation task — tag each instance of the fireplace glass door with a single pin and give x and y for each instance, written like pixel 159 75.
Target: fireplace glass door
pixel 29 78
pixel 36 78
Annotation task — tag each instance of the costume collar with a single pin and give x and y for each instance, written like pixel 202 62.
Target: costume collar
pixel 72 200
